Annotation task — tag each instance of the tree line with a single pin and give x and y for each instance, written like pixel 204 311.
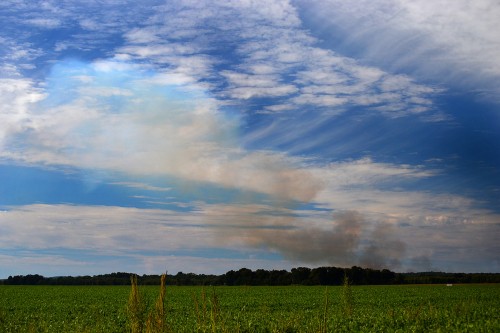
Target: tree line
pixel 261 277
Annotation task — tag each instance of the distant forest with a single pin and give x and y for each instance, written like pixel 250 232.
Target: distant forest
pixel 260 277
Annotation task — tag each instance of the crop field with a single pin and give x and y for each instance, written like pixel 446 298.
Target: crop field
pixel 435 308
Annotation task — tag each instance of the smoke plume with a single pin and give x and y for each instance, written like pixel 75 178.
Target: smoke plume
pixel 349 240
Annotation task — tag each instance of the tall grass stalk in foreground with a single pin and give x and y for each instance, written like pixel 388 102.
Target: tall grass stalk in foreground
pixel 137 310
pixel 323 324
pixel 216 316
pixel 156 318
pixel 205 320
pixel 135 307
pixel 347 297
pixel 200 308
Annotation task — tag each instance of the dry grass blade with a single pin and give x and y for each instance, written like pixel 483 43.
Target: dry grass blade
pixel 137 310
pixel 135 307
pixel 323 325
pixel 156 318
pixel 347 297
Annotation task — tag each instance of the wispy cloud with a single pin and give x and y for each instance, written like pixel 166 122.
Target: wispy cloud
pixel 143 186
pixel 450 42
pixel 46 23
pixel 265 51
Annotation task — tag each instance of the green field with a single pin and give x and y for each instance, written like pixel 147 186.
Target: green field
pixel 434 308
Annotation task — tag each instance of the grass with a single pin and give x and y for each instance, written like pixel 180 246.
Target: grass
pixel 156 318
pixel 140 318
pixel 346 308
pixel 136 308
pixel 347 298
pixel 323 327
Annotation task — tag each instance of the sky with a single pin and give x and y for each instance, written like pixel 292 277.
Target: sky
pixel 207 136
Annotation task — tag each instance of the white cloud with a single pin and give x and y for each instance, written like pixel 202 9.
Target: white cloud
pixel 245 86
pixel 269 55
pixel 121 119
pixel 142 36
pixel 452 42
pixel 240 79
pixel 142 186
pixel 367 172
pixel 155 109
pixel 17 97
pixel 104 229
pixel 319 100
pixel 16 55
pixel 382 216
pixel 46 23
pixel 278 108
pixel 251 92
pixel 89 24
pixel 151 238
